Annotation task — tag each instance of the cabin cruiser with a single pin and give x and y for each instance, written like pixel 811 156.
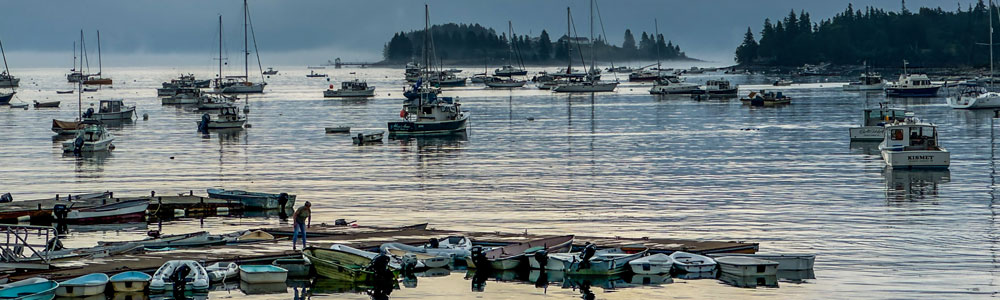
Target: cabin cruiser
pixel 214 101
pixel 873 123
pixel 92 137
pixel 913 85
pixel 720 87
pixel 228 117
pixel 313 74
pixel 355 88
pixel 271 71
pixel 113 109
pixel 429 114
pixel 509 70
pixel 239 85
pixel 912 144
pixel 7 80
pixel 973 98
pixel 671 84
pixel 185 95
pixel 867 82
pixel 760 98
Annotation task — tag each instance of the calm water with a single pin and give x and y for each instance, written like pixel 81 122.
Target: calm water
pixel 624 163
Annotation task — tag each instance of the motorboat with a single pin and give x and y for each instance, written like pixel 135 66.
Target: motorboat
pixel 215 101
pixel 913 144
pixel 509 70
pixel 271 71
pixel 221 271
pixel 342 264
pixel 258 274
pixel 671 84
pixel 67 127
pixel 595 262
pixel 785 261
pixel 93 137
pixel 194 239
pixel 354 88
pixel 873 123
pixel 653 264
pixel 719 87
pixel 458 247
pixel 497 82
pixel 868 81
pixel 761 98
pixel 8 81
pixel 130 282
pixel 83 286
pixel 108 213
pixel 974 98
pixel 782 82
pixel 110 110
pixel 912 85
pixel 197 278
pixel 6 97
pixel 254 200
pixel 184 95
pixel 620 69
pixel 746 266
pixel 46 104
pixel 510 256
pixel 692 263
pixel 313 74
pixel 228 117
pixel 368 137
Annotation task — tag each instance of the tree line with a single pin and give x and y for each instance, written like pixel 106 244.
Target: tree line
pixel 465 43
pixel 929 37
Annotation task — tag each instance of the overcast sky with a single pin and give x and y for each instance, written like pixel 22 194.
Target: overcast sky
pixel 152 32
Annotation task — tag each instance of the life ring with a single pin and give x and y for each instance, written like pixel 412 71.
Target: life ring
pixel 402 113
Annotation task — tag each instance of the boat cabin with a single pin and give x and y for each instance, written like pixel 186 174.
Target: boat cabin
pixel 93 131
pixel 354 85
pixel 432 108
pixel 870 78
pixel 911 136
pixel 111 106
pixel 718 84
pixel 914 80
pixel 880 117
pixel 668 79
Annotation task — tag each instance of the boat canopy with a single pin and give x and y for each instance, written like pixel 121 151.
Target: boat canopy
pixel 912 137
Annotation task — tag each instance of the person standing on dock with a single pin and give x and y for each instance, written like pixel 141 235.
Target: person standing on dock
pixel 302 218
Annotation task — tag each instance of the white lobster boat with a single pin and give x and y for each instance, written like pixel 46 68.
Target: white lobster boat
pixel 867 82
pixel 911 144
pixel 355 88
pixel 111 110
pixel 228 117
pixel 873 125
pixel 93 137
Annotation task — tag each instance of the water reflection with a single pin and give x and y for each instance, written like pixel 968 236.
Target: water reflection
pixel 88 164
pixel 866 148
pixel 750 281
pixel 902 185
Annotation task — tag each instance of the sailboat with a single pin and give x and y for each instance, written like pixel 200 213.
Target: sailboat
pixel 72 127
pixel 76 75
pixel 591 82
pixel 979 97
pixel 666 83
pixel 6 79
pixel 423 111
pixel 504 76
pixel 240 84
pixel 96 79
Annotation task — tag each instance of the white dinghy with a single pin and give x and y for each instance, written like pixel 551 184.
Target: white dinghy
pixel 693 263
pixel 747 266
pixel 197 278
pixel 654 264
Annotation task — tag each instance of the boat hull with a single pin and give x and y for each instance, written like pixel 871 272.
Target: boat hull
pixel 514 84
pixel 263 274
pixel 417 128
pixel 255 88
pixel 370 92
pixel 339 265
pixel 785 261
pixel 5 98
pixel 912 92
pixel 252 200
pixel 864 87
pixel 213 124
pixel 99 146
pixel 748 267
pixel 122 115
pixel 673 89
pixel 990 100
pixel 917 159
pixel 178 99
pixel 588 88
pixel 123 211
pixel 867 133
pixel 653 264
pixel 8 83
pixel 98 81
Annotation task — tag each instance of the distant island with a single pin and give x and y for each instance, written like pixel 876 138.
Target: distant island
pixel 477 45
pixel 932 37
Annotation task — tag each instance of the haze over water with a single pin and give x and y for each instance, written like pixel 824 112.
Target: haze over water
pixel 615 164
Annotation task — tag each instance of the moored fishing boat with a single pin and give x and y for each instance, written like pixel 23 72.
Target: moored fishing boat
pixel 228 117
pixel 197 278
pixel 91 137
pixel 912 144
pixel 429 114
pixel 297 267
pixel 83 286
pixel 746 266
pixel 263 274
pixel 46 104
pixel 313 74
pixel 130 281
pixel 182 95
pixel 355 88
pixel 255 200
pixel 510 256
pixel 6 97
pixel 868 81
pixel 30 289
pixel 113 109
pixel 762 97
pixel 873 123
pixel 693 263
pixel 369 137
pixel 112 212
pixel 718 87
pixel 653 264
pixel 271 71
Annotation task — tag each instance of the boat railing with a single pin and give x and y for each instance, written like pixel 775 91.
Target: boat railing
pixel 35 239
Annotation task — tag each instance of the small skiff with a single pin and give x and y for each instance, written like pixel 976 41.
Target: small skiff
pixel 296 267
pixel 747 266
pixel 46 104
pixel 654 264
pixel 83 286
pixel 257 274
pixel 365 138
pixel 785 261
pixel 692 263
pixel 30 289
pixel 338 129
pixel 130 281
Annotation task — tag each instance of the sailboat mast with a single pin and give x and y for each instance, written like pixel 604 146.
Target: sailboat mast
pixel 246 52
pixel 592 61
pixel 569 66
pixel 427 33
pixel 991 42
pixel 74 56
pixel 510 40
pixel 656 29
pixel 5 68
pixel 220 52
pixel 99 67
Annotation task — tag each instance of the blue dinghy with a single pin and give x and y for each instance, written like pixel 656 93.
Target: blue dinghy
pixel 43 290
pixel 83 286
pixel 131 281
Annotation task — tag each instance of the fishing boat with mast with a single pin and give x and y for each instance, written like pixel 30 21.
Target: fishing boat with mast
pixel 240 84
pixel 426 113
pixel 976 96
pixel 591 82
pixel 354 88
pixel 7 80
pixel 96 79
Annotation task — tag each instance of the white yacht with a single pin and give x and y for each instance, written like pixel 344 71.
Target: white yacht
pixel 873 123
pixel 973 98
pixel 509 70
pixel 355 88
pixel 671 84
pixel 867 82
pixel 93 137
pixel 912 144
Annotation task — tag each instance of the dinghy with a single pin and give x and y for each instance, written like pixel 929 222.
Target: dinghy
pixel 296 267
pixel 197 278
pixel 28 281
pixel 131 281
pixel 222 271
pixel 430 261
pixel 19 105
pixel 654 264
pixel 394 263
pixel 256 274
pixel 256 235
pixel 692 263
pixel 365 138
pixel 598 262
pixel 64 92
pixel 200 238
pixel 458 247
pixel 46 104
pixel 109 213
pixel 338 129
pixel 83 286
pixel 510 256
pixel 747 266
pixel 785 261
pixel 253 200
pixel 30 289
pixel 340 265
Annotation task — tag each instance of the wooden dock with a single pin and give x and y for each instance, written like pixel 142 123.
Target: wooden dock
pixel 40 211
pixel 363 238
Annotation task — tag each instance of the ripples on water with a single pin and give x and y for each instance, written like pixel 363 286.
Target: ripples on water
pixel 624 163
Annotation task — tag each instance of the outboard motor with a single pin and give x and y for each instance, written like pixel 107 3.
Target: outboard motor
pixel 479 258
pixel 6 197
pixel 542 257
pixel 203 125
pixel 282 200
pixel 340 222
pixel 89 113
pixel 179 278
pixel 78 144
pixel 433 243
pixel 60 211
pixel 588 252
pixel 409 262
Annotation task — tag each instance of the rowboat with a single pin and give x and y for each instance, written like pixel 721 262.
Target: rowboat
pixel 64 92
pixel 339 265
pixel 83 286
pixel 253 200
pixel 30 289
pixel 370 137
pixel 197 279
pixel 338 129
pixel 654 264
pixel 601 262
pixel 46 104
pixel 430 261
pixel 196 239
pixel 394 263
pixel 131 281
pixel 222 271
pixel 296 267
pixel 785 261
pixel 747 266
pixel 510 256
pixel 692 263
pixel 255 235
pixel 263 274
pixel 113 212
pixel 453 246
